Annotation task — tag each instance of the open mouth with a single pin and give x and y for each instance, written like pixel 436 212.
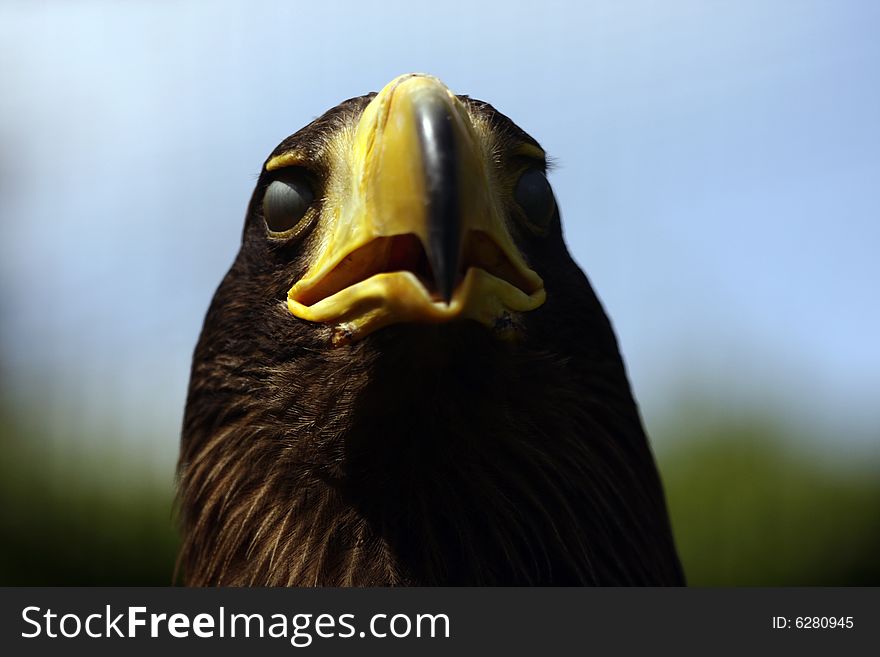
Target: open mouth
pixel 405 253
pixel 417 236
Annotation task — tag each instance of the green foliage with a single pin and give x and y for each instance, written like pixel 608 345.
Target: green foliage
pixel 749 508
pixel 71 526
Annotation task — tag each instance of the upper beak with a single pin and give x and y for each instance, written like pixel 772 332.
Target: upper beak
pixel 441 132
pixel 416 233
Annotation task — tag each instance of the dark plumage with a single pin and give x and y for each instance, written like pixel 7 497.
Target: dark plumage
pixel 424 453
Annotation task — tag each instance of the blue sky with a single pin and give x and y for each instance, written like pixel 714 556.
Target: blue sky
pixel 718 177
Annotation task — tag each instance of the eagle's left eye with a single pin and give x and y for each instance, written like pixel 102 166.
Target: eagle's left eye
pixel 286 200
pixel 535 196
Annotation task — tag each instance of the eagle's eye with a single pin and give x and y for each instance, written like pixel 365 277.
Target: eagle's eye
pixel 287 200
pixel 535 197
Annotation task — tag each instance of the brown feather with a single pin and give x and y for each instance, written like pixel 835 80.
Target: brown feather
pixel 427 455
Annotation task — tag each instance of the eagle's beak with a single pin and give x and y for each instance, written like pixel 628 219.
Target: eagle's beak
pixel 416 231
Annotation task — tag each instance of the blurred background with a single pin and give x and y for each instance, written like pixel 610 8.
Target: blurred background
pixel 719 179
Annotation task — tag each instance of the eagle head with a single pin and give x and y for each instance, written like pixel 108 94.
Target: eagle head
pixel 404 378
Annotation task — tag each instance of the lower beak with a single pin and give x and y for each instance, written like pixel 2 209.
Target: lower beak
pixel 415 234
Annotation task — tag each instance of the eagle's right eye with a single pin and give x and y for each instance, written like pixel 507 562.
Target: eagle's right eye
pixel 287 200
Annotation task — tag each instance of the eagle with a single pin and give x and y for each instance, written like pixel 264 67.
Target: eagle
pixel 404 379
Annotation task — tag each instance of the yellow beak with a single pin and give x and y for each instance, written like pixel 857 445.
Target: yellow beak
pixel 416 234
